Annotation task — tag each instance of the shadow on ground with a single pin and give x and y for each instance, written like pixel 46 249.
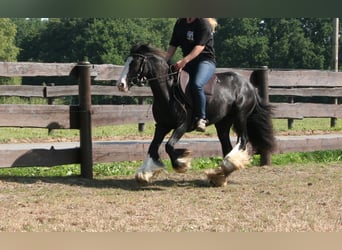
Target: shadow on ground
pixel 125 183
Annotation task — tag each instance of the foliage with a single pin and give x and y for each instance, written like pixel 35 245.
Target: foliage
pixel 290 46
pixel 98 40
pixel 298 43
pixel 239 42
pixel 8 50
pixel 28 32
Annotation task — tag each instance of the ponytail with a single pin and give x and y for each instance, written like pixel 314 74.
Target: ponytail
pixel 213 23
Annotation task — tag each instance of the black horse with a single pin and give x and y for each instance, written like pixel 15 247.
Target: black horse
pixel 233 101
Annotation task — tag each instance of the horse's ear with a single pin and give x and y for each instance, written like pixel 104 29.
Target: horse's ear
pixel 140 46
pixel 145 47
pixel 253 79
pixel 135 47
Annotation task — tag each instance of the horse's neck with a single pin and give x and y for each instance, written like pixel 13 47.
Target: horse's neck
pixel 161 90
pixel 161 86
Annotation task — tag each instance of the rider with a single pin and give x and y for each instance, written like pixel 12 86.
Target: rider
pixel 195 37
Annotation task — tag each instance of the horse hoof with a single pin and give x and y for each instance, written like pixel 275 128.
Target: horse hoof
pixel 148 170
pixel 228 167
pixel 182 165
pixel 235 160
pixel 142 179
pixel 217 177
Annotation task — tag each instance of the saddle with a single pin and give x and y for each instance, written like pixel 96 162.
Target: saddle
pixel 183 81
pixel 183 95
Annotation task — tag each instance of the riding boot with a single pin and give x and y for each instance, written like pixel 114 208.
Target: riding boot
pixel 201 123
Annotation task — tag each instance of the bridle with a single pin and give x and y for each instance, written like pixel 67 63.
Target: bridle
pixel 141 69
pixel 142 80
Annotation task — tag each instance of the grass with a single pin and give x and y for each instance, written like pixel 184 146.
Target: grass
pixel 129 167
pixel 301 192
pixel 8 135
pixel 295 198
pixel 14 135
pixel 307 124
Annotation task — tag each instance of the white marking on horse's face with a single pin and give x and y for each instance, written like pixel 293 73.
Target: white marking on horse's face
pixel 122 81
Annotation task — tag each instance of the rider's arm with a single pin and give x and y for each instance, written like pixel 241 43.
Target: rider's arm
pixel 193 54
pixel 170 52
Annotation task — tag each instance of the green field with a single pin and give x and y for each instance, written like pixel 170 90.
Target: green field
pixel 300 192
pixel 18 135
pixel 12 135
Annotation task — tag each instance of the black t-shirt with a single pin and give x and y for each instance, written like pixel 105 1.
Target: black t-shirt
pixel 188 35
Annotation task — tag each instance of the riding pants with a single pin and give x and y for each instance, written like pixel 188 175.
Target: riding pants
pixel 199 72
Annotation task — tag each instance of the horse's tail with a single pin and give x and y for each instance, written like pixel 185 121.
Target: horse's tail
pixel 260 128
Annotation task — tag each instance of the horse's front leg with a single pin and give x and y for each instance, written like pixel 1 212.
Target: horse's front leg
pixel 152 164
pixel 180 157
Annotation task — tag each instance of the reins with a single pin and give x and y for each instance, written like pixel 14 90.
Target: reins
pixel 141 81
pixel 141 69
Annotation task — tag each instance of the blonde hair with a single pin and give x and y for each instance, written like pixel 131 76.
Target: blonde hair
pixel 213 23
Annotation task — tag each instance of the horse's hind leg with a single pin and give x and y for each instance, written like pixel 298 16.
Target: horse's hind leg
pixel 223 131
pixel 152 163
pixel 180 158
pixel 219 177
pixel 234 158
pixel 238 157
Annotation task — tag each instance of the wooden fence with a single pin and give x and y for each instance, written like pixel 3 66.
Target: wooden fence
pixel 85 116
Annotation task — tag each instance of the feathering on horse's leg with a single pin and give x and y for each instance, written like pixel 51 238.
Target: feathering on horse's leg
pixel 236 159
pixel 217 177
pixel 180 157
pixel 149 169
pixel 152 165
pixel 239 156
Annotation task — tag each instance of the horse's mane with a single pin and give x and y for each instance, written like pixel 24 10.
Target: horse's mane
pixel 147 50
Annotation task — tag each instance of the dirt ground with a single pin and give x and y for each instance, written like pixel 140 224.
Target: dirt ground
pixel 258 199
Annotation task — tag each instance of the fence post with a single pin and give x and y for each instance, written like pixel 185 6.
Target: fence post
pixel 333 120
pixel 49 102
pixel 84 88
pixel 141 126
pixel 290 120
pixel 261 81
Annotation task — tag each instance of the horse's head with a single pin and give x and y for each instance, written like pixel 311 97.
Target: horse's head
pixel 138 69
pixel 133 72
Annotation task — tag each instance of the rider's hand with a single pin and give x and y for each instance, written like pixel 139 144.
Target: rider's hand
pixel 180 64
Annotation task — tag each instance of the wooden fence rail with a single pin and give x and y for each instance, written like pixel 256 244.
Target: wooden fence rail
pixel 84 116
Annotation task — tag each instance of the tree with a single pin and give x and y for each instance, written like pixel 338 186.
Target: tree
pixel 8 49
pixel 320 31
pixel 290 46
pixel 276 42
pixel 99 40
pixel 28 32
pixel 238 43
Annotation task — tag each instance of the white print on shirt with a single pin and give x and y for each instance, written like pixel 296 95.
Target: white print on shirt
pixel 190 35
